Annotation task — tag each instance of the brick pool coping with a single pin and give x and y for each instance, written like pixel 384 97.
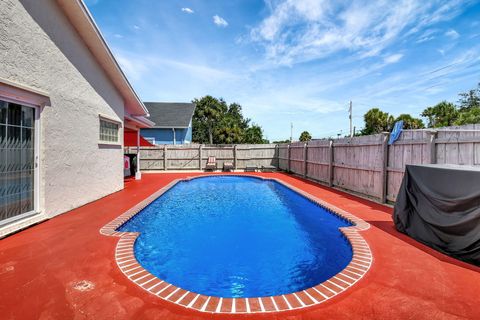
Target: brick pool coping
pixel 359 265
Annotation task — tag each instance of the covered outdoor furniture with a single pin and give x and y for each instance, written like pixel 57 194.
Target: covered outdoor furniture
pixel 250 168
pixel 228 166
pixel 211 164
pixel 268 168
pixel 439 205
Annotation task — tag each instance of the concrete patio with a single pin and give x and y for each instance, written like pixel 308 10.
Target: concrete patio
pixel 65 269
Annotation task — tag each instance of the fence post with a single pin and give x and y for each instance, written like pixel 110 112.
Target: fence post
pixel 305 163
pixel 288 158
pixel 235 157
pixel 276 155
pixel 330 163
pixel 165 157
pixel 200 157
pixel 384 173
pixel 432 147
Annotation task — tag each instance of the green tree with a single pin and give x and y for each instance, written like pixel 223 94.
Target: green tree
pixel 410 122
pixel 254 135
pixel 199 131
pixel 235 112
pixel 377 121
pixel 231 128
pixel 469 100
pixel 443 114
pixel 471 116
pixel 469 108
pixel 216 122
pixel 228 131
pixel 305 136
pixel 208 112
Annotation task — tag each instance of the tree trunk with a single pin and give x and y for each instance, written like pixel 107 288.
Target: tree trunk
pixel 210 135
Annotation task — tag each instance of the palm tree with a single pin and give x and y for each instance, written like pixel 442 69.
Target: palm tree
pixel 377 121
pixel 305 136
pixel 228 131
pixel 442 114
pixel 410 122
pixel 254 135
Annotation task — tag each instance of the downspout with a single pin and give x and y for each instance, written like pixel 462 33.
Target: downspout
pixel 138 174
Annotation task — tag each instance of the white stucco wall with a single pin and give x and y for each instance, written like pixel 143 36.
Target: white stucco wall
pixel 40 49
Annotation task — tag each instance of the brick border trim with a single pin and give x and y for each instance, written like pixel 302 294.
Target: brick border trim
pixel 357 268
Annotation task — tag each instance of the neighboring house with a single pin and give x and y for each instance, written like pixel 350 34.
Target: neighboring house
pixel 173 123
pixel 64 104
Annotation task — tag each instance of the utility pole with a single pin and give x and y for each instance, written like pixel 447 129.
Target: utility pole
pixel 291 132
pixel 350 117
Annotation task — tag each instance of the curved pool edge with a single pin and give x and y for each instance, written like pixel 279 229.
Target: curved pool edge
pixel 360 264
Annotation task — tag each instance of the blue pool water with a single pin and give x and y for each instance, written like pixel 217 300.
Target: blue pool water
pixel 238 237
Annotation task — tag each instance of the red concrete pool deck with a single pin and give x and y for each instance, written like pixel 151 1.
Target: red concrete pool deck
pixel 65 269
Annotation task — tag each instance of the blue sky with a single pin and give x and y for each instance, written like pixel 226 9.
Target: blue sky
pixel 297 61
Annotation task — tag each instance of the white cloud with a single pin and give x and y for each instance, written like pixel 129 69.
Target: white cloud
pixel 200 71
pixel 428 35
pixel 219 21
pixel 118 36
pixel 136 27
pixel 417 81
pixel 134 68
pixel 188 10
pixel 298 31
pixel 452 34
pixel 138 65
pixel 424 39
pixel 394 58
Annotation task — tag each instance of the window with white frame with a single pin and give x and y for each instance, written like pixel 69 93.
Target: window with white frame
pixel 109 131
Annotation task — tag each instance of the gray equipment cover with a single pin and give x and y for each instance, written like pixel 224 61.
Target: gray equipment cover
pixel 439 205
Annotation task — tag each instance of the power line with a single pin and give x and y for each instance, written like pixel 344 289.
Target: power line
pixel 441 68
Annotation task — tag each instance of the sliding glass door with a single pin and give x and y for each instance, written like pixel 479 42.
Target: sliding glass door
pixel 17 160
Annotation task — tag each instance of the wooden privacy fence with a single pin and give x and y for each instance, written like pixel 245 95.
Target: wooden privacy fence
pixel 369 166
pixel 365 165
pixel 194 157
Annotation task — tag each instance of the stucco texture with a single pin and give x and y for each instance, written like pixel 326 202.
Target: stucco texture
pixel 40 49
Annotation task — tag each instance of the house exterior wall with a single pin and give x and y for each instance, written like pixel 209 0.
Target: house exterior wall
pixel 40 49
pixel 188 135
pixel 165 135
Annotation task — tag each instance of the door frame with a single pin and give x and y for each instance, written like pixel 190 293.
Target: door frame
pixel 37 100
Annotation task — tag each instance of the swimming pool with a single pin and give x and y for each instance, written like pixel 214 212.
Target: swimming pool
pixel 239 237
pixel 239 244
